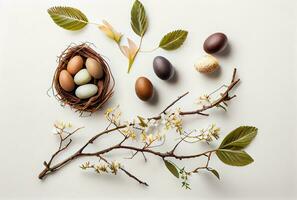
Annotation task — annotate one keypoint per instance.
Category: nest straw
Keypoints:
(106, 85)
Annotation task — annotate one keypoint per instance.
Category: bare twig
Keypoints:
(170, 105)
(125, 171)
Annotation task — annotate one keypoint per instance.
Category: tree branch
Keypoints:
(49, 168)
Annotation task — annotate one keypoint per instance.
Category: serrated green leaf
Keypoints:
(68, 18)
(172, 168)
(215, 172)
(142, 122)
(239, 138)
(138, 18)
(173, 40)
(234, 157)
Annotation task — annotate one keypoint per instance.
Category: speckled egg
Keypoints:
(66, 81)
(75, 64)
(207, 64)
(144, 88)
(94, 68)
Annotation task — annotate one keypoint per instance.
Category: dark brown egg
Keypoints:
(144, 88)
(162, 68)
(215, 43)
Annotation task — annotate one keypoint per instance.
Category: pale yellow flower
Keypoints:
(109, 31)
(101, 168)
(214, 131)
(130, 52)
(114, 167)
(150, 138)
(204, 100)
(172, 120)
(209, 134)
(143, 136)
(129, 131)
(62, 125)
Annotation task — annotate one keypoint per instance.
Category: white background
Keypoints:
(262, 37)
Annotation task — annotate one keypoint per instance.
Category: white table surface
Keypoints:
(262, 37)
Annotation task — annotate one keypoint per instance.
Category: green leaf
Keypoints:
(233, 157)
(68, 18)
(142, 122)
(138, 18)
(215, 172)
(223, 107)
(172, 168)
(239, 138)
(173, 40)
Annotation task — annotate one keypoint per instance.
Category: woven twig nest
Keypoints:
(105, 84)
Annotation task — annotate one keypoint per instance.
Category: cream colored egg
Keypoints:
(207, 64)
(94, 68)
(82, 77)
(75, 64)
(66, 81)
(86, 91)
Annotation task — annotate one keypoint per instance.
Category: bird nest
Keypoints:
(105, 85)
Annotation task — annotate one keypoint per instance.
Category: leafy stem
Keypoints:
(149, 51)
(73, 19)
(137, 51)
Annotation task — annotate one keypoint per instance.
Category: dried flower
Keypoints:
(110, 32)
(130, 52)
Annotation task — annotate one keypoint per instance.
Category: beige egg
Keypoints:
(94, 68)
(75, 64)
(66, 81)
(207, 64)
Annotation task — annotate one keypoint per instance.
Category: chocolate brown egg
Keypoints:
(215, 43)
(144, 88)
(75, 64)
(66, 81)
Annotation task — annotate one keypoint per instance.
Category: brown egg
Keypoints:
(75, 64)
(144, 88)
(66, 81)
(215, 43)
(94, 68)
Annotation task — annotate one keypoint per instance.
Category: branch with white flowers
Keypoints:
(151, 132)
